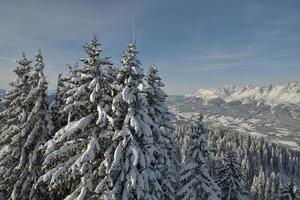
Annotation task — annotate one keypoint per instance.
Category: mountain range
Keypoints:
(271, 111)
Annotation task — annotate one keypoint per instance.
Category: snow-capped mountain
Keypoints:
(271, 111)
(270, 95)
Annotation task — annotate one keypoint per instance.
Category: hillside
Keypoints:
(269, 95)
(270, 111)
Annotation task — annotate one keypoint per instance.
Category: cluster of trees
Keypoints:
(257, 165)
(107, 135)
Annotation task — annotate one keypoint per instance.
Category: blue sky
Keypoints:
(196, 43)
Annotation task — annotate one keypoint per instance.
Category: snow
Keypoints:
(271, 95)
(127, 97)
(289, 143)
(72, 127)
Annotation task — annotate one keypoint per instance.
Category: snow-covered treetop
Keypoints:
(93, 50)
(24, 65)
(153, 77)
(131, 69)
(38, 75)
(157, 99)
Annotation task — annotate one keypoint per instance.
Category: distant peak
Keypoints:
(272, 94)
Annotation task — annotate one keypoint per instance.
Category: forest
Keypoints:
(108, 134)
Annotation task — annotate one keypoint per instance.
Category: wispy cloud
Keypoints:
(60, 28)
(195, 41)
(221, 55)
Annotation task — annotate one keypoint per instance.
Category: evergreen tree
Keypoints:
(268, 190)
(196, 183)
(131, 173)
(110, 76)
(288, 193)
(13, 118)
(255, 189)
(72, 155)
(229, 178)
(56, 107)
(163, 132)
(262, 183)
(32, 136)
(291, 188)
(276, 186)
(245, 171)
(258, 186)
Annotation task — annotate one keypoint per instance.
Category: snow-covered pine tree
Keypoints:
(258, 186)
(71, 81)
(268, 190)
(163, 133)
(13, 117)
(32, 136)
(229, 178)
(110, 76)
(254, 191)
(195, 181)
(291, 188)
(72, 155)
(288, 193)
(277, 184)
(131, 173)
(56, 107)
(245, 168)
(262, 183)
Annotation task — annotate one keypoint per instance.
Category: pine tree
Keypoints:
(163, 132)
(245, 168)
(262, 183)
(72, 155)
(196, 183)
(229, 178)
(255, 189)
(291, 188)
(13, 117)
(56, 107)
(258, 186)
(268, 190)
(32, 136)
(288, 193)
(276, 186)
(131, 173)
(110, 76)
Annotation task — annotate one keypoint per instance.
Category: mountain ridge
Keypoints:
(273, 94)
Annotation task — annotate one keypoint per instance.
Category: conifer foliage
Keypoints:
(56, 107)
(131, 174)
(196, 183)
(163, 133)
(109, 135)
(33, 132)
(229, 178)
(71, 154)
(14, 118)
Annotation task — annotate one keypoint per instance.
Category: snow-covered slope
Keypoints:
(270, 95)
(272, 111)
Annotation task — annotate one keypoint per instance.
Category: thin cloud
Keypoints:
(223, 56)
